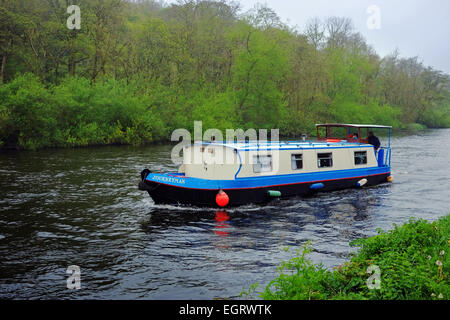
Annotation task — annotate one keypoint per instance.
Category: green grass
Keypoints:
(413, 261)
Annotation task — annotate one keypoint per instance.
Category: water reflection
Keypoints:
(222, 224)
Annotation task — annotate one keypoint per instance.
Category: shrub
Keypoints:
(413, 260)
(27, 114)
(77, 113)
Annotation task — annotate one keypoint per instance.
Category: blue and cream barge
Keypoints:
(225, 174)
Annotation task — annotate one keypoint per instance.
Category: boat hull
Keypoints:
(180, 190)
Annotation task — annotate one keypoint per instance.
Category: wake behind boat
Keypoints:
(226, 174)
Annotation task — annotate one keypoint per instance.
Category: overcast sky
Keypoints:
(416, 27)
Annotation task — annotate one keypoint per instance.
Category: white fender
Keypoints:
(361, 182)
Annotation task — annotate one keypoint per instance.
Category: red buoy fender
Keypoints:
(222, 198)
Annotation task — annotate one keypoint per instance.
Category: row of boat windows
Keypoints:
(324, 160)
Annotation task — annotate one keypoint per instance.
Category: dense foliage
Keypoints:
(413, 262)
(136, 70)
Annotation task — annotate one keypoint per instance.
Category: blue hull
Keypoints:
(177, 189)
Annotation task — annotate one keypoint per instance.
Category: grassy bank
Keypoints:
(413, 261)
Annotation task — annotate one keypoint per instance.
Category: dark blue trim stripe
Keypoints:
(240, 163)
(262, 147)
(307, 148)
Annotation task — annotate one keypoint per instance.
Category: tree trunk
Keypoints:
(71, 63)
(94, 71)
(2, 68)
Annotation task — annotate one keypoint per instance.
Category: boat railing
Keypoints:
(384, 156)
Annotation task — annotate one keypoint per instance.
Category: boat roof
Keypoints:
(282, 145)
(353, 125)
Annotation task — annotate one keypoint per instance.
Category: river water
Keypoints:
(82, 207)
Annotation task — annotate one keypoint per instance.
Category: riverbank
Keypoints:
(78, 113)
(161, 142)
(408, 262)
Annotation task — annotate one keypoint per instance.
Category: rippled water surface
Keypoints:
(82, 207)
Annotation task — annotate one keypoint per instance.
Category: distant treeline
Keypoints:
(137, 70)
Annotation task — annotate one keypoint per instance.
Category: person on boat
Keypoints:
(355, 136)
(373, 140)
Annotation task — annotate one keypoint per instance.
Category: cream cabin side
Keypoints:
(215, 162)
(306, 160)
(219, 162)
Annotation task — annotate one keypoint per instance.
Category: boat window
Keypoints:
(360, 157)
(296, 161)
(262, 163)
(324, 160)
